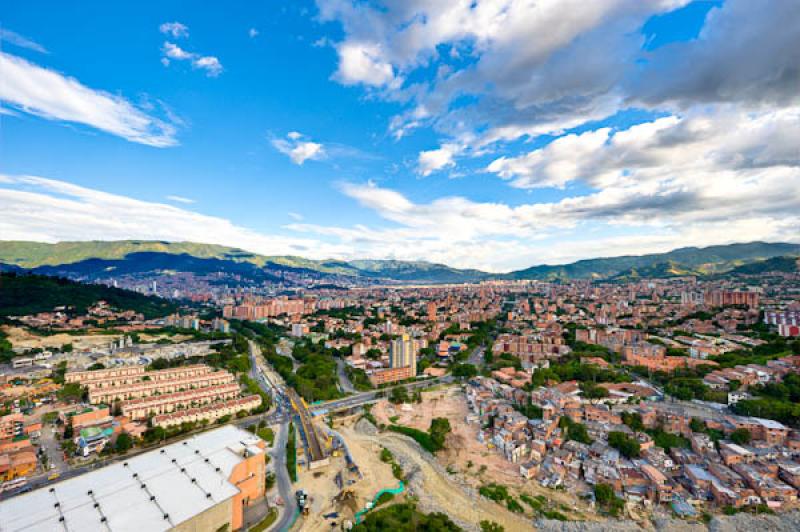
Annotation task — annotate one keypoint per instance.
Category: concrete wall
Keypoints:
(209, 521)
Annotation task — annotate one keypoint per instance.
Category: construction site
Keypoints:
(355, 479)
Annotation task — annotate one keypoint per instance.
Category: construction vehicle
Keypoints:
(302, 501)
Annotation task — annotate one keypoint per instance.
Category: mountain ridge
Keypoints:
(92, 256)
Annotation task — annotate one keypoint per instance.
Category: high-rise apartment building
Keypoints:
(403, 353)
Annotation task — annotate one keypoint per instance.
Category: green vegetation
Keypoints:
(607, 499)
(778, 401)
(491, 526)
(232, 357)
(667, 440)
(740, 436)
(514, 506)
(358, 378)
(591, 391)
(384, 498)
(405, 518)
(399, 395)
(431, 441)
(529, 410)
(704, 260)
(464, 371)
(574, 431)
(6, 351)
(266, 434)
(633, 420)
(124, 442)
(316, 378)
(291, 453)
(626, 445)
(439, 429)
(388, 457)
(499, 494)
(495, 492)
(573, 369)
(265, 523)
(71, 392)
(31, 294)
(254, 389)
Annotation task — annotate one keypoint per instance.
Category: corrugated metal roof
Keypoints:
(179, 481)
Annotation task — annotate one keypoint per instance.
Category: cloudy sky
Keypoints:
(493, 134)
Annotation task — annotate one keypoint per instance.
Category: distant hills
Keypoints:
(684, 261)
(98, 259)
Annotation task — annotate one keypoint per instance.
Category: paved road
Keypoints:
(271, 383)
(282, 480)
(344, 380)
(372, 397)
(476, 357)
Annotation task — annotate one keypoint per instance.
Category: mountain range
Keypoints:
(94, 259)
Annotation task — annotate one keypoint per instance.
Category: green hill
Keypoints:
(65, 258)
(703, 261)
(30, 294)
(96, 258)
(661, 270)
(775, 264)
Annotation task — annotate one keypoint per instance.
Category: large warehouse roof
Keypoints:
(154, 491)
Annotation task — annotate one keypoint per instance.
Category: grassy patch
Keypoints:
(291, 453)
(266, 522)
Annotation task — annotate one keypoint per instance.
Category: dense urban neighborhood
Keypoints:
(566, 399)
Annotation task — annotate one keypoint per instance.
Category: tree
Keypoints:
(439, 429)
(633, 420)
(399, 395)
(491, 526)
(697, 425)
(465, 371)
(740, 436)
(603, 493)
(123, 443)
(605, 497)
(628, 447)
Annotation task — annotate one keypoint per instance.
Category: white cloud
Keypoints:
(253, 33)
(176, 29)
(296, 216)
(210, 64)
(180, 199)
(537, 68)
(46, 93)
(434, 160)
(18, 40)
(712, 176)
(173, 51)
(299, 150)
(452, 230)
(361, 63)
(47, 210)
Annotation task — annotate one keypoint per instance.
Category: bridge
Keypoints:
(307, 426)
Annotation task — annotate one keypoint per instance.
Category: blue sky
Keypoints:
(495, 136)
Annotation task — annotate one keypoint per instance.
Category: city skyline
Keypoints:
(493, 136)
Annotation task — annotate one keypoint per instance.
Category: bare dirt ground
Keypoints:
(436, 490)
(322, 487)
(20, 337)
(473, 462)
